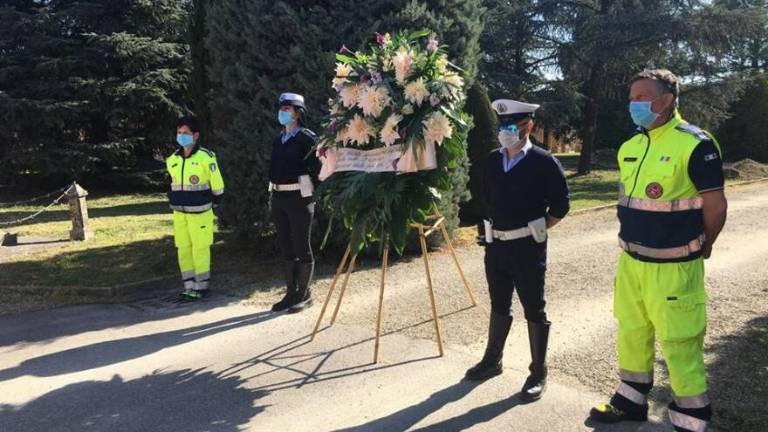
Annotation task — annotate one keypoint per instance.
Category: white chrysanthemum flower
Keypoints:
(338, 83)
(416, 92)
(453, 79)
(402, 63)
(389, 133)
(437, 128)
(349, 95)
(343, 70)
(441, 64)
(359, 131)
(373, 99)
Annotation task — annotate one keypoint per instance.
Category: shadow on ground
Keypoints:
(116, 351)
(185, 400)
(739, 378)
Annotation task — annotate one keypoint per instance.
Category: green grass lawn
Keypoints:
(133, 239)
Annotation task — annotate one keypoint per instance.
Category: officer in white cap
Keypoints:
(291, 169)
(525, 192)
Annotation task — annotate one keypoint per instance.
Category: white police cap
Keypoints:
(293, 99)
(506, 107)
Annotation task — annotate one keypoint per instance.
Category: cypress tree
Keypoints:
(259, 49)
(480, 142)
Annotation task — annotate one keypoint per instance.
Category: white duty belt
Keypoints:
(284, 187)
(512, 234)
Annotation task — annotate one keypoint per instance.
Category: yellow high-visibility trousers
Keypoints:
(193, 236)
(666, 301)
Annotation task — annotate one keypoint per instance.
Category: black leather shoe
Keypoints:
(607, 413)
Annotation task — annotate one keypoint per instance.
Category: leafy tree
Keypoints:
(743, 135)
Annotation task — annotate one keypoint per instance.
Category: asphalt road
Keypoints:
(228, 365)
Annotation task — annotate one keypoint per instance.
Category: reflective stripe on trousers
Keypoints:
(630, 393)
(687, 422)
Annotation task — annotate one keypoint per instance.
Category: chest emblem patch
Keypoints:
(654, 190)
(194, 179)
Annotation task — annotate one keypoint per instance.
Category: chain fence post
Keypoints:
(78, 211)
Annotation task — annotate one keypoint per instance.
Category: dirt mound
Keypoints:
(746, 169)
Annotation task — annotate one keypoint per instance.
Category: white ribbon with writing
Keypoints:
(385, 159)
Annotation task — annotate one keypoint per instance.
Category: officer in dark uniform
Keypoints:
(525, 191)
(291, 169)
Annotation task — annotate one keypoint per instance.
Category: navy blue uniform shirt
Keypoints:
(533, 188)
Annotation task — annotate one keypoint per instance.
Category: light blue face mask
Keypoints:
(641, 113)
(285, 118)
(185, 140)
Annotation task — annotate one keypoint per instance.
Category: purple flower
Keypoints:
(321, 151)
(402, 133)
(332, 126)
(376, 77)
(434, 100)
(344, 49)
(394, 163)
(432, 45)
(380, 39)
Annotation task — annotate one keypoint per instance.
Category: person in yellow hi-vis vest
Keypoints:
(196, 189)
(671, 209)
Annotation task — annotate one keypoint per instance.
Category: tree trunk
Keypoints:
(590, 121)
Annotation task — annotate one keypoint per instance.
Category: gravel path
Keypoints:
(582, 260)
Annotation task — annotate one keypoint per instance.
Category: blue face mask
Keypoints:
(185, 140)
(641, 113)
(285, 118)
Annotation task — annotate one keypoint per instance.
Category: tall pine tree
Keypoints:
(88, 88)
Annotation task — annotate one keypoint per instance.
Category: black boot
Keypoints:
(538, 336)
(490, 365)
(290, 287)
(303, 298)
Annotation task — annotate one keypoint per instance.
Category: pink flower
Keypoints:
(380, 39)
(321, 151)
(344, 49)
(432, 45)
(434, 100)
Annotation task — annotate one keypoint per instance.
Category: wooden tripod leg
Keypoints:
(458, 266)
(350, 269)
(424, 253)
(339, 270)
(381, 302)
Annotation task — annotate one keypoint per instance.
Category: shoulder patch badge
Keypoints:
(711, 157)
(654, 190)
(212, 167)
